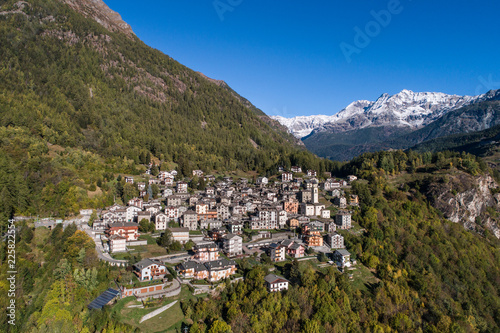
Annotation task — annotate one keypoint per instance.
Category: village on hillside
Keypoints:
(201, 234)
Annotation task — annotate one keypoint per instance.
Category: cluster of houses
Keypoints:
(292, 248)
(205, 264)
(222, 211)
(259, 207)
(212, 271)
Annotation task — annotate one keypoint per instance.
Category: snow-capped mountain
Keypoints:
(405, 109)
(303, 125)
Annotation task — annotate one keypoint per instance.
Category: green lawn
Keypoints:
(281, 263)
(168, 321)
(333, 209)
(250, 261)
(147, 283)
(355, 230)
(324, 201)
(200, 282)
(121, 256)
(118, 307)
(40, 236)
(146, 251)
(361, 276)
(151, 240)
(158, 323)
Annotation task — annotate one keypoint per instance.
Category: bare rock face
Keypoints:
(101, 13)
(471, 201)
(220, 83)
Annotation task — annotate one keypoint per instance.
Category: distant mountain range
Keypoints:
(393, 122)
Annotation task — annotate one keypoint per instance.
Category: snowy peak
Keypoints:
(404, 109)
(353, 109)
(408, 108)
(303, 125)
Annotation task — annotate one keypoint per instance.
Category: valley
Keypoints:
(394, 122)
(140, 195)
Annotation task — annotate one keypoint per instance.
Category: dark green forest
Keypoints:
(58, 275)
(75, 84)
(434, 276)
(482, 143)
(431, 275)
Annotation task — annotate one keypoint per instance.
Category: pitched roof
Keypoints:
(230, 236)
(272, 278)
(316, 223)
(295, 246)
(210, 245)
(113, 237)
(274, 246)
(219, 264)
(343, 252)
(178, 229)
(147, 262)
(123, 224)
(192, 265)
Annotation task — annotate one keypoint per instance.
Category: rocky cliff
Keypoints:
(100, 12)
(473, 201)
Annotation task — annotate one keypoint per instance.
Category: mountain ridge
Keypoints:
(394, 122)
(69, 79)
(404, 109)
(102, 14)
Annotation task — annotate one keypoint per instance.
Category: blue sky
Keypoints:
(294, 58)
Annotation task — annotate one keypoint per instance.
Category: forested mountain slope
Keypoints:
(427, 274)
(67, 81)
(432, 275)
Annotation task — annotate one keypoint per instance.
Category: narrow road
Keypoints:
(101, 254)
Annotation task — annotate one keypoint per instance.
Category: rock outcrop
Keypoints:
(101, 13)
(470, 200)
